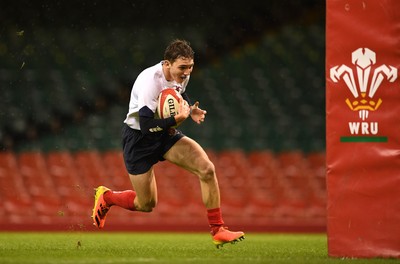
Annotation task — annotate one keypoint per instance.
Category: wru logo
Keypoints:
(363, 59)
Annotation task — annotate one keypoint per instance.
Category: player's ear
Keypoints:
(167, 63)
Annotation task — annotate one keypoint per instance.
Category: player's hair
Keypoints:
(178, 48)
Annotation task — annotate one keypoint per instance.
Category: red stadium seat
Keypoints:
(91, 168)
(62, 169)
(35, 174)
(20, 211)
(115, 169)
(76, 198)
(233, 175)
(265, 178)
(11, 182)
(316, 161)
(295, 173)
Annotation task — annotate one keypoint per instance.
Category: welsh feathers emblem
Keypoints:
(363, 93)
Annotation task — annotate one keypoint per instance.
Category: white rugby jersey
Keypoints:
(148, 85)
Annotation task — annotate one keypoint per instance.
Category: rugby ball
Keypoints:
(168, 103)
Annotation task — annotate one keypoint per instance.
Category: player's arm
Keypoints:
(185, 97)
(149, 125)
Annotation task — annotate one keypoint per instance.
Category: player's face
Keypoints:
(180, 69)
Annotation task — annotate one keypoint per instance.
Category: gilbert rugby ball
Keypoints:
(168, 103)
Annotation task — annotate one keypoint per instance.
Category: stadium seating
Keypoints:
(14, 194)
(259, 189)
(61, 116)
(275, 82)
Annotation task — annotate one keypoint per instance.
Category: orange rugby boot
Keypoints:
(100, 208)
(224, 236)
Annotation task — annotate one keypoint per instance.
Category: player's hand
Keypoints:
(184, 112)
(198, 115)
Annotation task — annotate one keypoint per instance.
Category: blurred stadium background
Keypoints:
(66, 70)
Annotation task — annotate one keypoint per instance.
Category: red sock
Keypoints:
(215, 219)
(122, 199)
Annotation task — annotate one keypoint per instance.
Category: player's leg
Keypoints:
(146, 190)
(139, 165)
(189, 155)
(144, 198)
(105, 198)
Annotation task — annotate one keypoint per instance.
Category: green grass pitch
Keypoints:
(130, 247)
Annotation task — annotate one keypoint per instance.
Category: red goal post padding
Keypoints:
(363, 128)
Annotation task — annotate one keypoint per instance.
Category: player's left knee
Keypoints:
(207, 171)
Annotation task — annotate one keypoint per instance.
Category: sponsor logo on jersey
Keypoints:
(155, 129)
